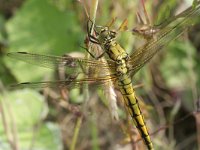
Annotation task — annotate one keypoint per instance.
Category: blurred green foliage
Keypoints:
(40, 27)
(23, 111)
(58, 27)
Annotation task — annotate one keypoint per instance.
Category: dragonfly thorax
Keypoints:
(116, 52)
(106, 36)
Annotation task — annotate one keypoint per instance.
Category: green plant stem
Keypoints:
(94, 133)
(76, 133)
(93, 10)
(171, 120)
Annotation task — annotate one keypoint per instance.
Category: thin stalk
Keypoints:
(93, 10)
(10, 131)
(171, 120)
(76, 133)
(94, 133)
(5, 124)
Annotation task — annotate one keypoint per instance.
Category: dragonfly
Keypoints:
(119, 66)
(146, 30)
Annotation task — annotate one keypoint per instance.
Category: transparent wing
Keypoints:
(72, 65)
(147, 31)
(167, 33)
(183, 14)
(69, 84)
(81, 71)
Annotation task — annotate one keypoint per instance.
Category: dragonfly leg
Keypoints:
(89, 32)
(92, 55)
(93, 39)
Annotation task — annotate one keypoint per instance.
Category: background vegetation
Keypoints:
(56, 119)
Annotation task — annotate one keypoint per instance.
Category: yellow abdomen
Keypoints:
(132, 105)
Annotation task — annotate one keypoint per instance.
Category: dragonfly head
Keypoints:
(105, 35)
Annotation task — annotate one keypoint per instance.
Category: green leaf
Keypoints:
(6, 76)
(194, 3)
(2, 23)
(27, 108)
(48, 138)
(164, 11)
(176, 64)
(26, 105)
(40, 27)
